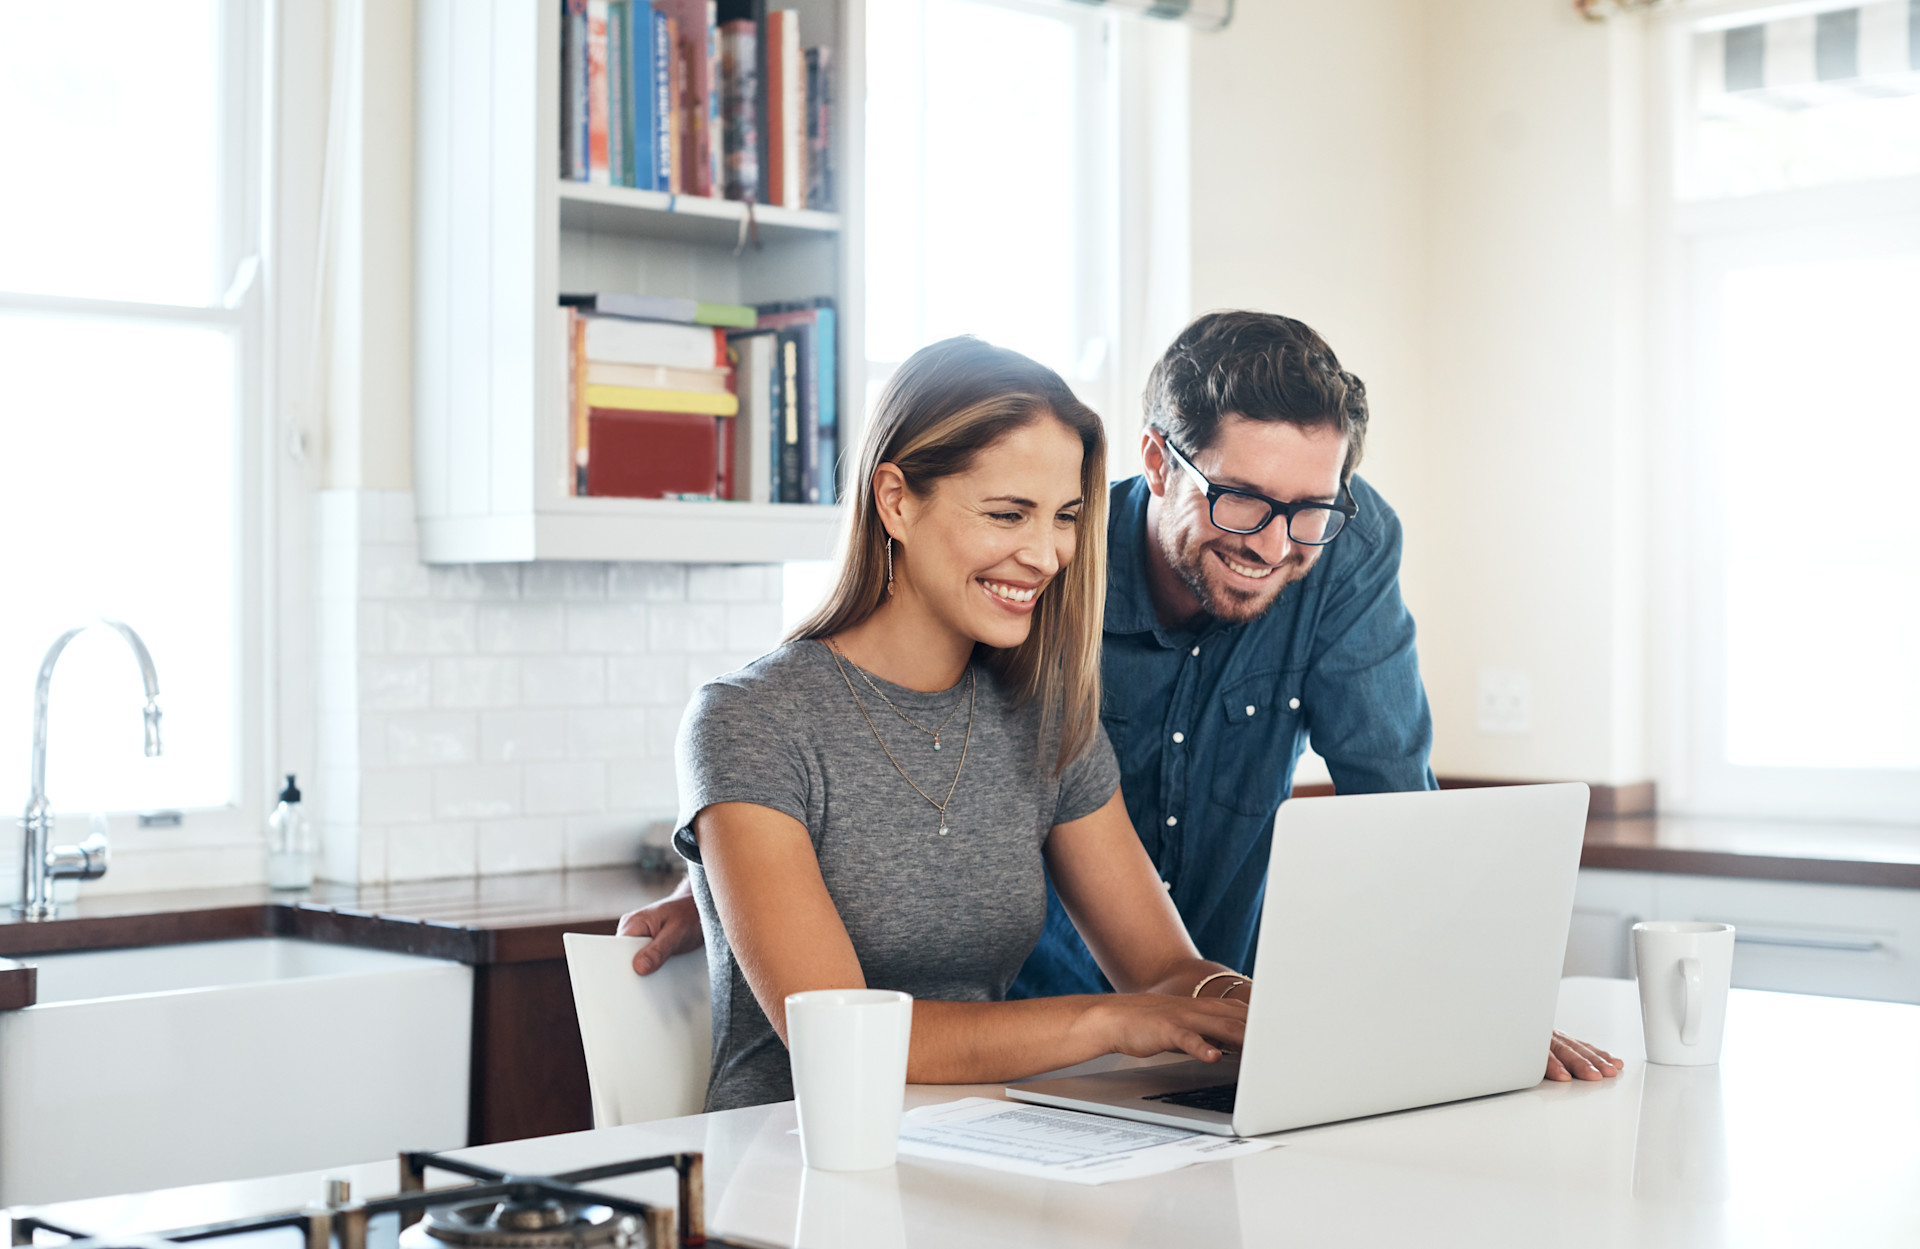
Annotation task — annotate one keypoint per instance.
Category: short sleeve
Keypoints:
(1089, 781)
(732, 747)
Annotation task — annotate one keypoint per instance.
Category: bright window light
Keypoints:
(1822, 433)
(110, 149)
(980, 142)
(121, 505)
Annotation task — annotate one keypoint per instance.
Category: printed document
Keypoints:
(1058, 1144)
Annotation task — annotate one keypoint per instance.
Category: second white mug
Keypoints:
(849, 1053)
(1684, 970)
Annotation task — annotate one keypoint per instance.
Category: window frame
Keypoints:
(1704, 239)
(241, 309)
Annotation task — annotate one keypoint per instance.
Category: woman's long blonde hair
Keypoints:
(943, 407)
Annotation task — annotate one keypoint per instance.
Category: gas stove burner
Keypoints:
(539, 1223)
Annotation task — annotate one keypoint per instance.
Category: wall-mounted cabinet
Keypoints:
(499, 235)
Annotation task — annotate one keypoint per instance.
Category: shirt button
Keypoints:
(1167, 885)
(1293, 704)
(1172, 820)
(1249, 708)
(1178, 738)
(1195, 652)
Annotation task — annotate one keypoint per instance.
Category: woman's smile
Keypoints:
(1012, 596)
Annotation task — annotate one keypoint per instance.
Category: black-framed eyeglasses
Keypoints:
(1244, 511)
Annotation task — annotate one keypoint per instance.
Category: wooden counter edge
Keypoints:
(19, 984)
(1868, 872)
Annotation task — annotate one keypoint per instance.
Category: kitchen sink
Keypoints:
(185, 1064)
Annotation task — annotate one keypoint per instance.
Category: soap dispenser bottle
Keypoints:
(289, 842)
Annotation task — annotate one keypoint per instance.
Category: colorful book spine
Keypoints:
(739, 116)
(820, 129)
(786, 124)
(715, 169)
(640, 73)
(676, 110)
(638, 398)
(574, 120)
(598, 171)
(577, 398)
(652, 455)
(662, 102)
(793, 466)
(618, 88)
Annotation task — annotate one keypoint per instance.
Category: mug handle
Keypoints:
(1690, 1025)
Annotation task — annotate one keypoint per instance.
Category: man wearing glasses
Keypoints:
(1253, 602)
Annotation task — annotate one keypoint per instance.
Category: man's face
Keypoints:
(1235, 577)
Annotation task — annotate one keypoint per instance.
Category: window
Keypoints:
(1798, 534)
(992, 185)
(128, 346)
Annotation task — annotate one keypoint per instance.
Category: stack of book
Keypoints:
(696, 97)
(673, 399)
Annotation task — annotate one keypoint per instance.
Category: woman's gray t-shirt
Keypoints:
(943, 917)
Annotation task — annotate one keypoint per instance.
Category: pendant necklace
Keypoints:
(933, 733)
(973, 683)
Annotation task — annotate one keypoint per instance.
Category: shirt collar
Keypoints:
(1129, 596)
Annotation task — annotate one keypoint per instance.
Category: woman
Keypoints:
(880, 801)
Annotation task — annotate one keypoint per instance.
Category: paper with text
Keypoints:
(1058, 1144)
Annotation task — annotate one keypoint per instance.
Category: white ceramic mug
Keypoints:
(1684, 970)
(848, 1048)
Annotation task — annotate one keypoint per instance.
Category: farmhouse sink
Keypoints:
(185, 1064)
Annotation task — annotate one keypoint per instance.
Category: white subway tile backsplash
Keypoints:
(571, 681)
(476, 682)
(476, 791)
(431, 852)
(395, 684)
(645, 784)
(727, 583)
(647, 583)
(687, 628)
(569, 579)
(506, 717)
(430, 628)
(607, 733)
(522, 628)
(528, 844)
(564, 788)
(396, 795)
(523, 736)
(425, 738)
(490, 582)
(645, 679)
(609, 628)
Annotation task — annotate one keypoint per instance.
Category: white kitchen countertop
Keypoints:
(1807, 1133)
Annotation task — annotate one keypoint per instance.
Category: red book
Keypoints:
(648, 455)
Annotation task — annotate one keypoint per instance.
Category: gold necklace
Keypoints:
(933, 733)
(973, 685)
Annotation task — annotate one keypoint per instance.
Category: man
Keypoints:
(1253, 602)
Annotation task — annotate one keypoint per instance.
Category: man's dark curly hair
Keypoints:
(1262, 366)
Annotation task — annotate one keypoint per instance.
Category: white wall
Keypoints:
(1450, 193)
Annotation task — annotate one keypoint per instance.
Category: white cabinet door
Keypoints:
(1606, 906)
(1792, 936)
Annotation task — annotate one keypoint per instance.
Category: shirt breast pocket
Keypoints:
(1259, 742)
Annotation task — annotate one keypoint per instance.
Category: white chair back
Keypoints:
(649, 1039)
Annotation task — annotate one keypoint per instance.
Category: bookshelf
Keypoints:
(499, 234)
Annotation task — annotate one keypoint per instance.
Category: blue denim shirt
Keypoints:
(1332, 661)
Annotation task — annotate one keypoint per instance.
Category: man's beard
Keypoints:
(1230, 603)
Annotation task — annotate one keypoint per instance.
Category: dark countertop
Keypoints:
(1818, 853)
(479, 920)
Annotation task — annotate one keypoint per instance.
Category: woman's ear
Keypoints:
(890, 499)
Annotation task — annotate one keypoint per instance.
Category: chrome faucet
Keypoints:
(43, 864)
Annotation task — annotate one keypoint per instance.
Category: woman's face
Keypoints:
(984, 545)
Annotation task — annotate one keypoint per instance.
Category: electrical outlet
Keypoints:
(1504, 706)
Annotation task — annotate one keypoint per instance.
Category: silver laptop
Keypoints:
(1410, 953)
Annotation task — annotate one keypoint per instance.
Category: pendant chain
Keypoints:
(933, 733)
(973, 685)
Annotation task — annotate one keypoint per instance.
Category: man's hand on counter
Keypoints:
(674, 924)
(1567, 1059)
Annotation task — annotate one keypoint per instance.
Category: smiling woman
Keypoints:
(880, 802)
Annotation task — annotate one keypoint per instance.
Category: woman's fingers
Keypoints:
(674, 925)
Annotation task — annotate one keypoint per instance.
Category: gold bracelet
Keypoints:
(1221, 975)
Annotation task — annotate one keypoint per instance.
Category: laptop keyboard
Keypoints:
(1216, 1097)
